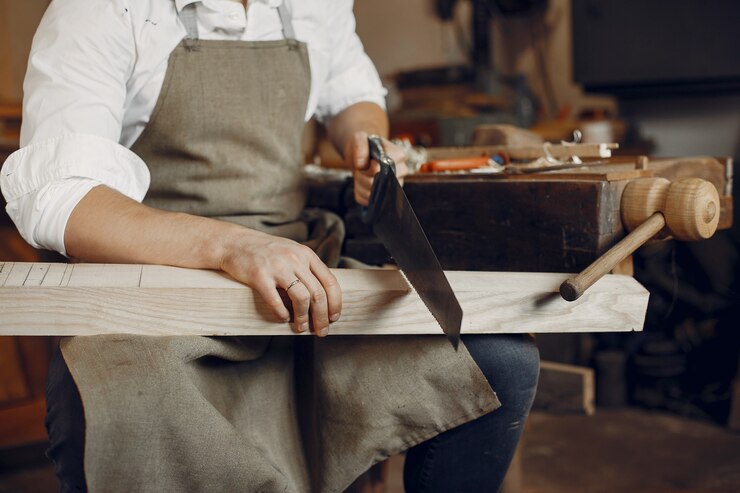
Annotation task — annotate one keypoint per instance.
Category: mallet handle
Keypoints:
(573, 288)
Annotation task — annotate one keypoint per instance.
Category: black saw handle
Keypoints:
(380, 181)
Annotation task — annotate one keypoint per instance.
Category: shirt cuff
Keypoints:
(44, 181)
(41, 217)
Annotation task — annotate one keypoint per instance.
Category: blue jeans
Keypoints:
(470, 458)
(474, 457)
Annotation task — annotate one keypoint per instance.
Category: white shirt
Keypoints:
(94, 75)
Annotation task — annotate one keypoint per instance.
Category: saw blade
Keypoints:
(396, 225)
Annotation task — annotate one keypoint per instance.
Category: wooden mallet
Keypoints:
(686, 209)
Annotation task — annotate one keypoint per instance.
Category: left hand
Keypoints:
(357, 158)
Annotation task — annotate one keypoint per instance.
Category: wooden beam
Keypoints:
(86, 299)
(565, 388)
(558, 151)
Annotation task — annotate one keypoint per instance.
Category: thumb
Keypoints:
(360, 151)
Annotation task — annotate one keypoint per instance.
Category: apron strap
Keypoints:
(288, 31)
(189, 18)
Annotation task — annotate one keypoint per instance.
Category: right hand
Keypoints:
(268, 263)
(364, 169)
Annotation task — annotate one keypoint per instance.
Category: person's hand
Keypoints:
(357, 158)
(268, 263)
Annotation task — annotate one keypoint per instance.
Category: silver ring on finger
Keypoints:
(292, 284)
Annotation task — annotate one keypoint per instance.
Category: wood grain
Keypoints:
(84, 299)
(608, 172)
(558, 151)
(517, 225)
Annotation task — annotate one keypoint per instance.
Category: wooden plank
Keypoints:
(725, 212)
(5, 268)
(18, 273)
(704, 167)
(558, 151)
(586, 174)
(565, 388)
(55, 274)
(172, 301)
(36, 274)
(589, 171)
(611, 172)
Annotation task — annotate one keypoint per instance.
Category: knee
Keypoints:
(511, 363)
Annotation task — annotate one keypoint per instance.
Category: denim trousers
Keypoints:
(470, 458)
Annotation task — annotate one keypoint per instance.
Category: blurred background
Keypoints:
(661, 79)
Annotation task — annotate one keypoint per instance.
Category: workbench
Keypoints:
(559, 221)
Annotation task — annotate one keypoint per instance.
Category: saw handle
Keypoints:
(380, 180)
(687, 209)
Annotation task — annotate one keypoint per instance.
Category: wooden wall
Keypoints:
(18, 21)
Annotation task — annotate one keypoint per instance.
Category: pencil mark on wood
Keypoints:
(4, 272)
(46, 273)
(68, 274)
(18, 274)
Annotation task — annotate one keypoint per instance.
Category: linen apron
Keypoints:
(288, 414)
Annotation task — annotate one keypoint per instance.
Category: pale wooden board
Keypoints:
(558, 151)
(610, 172)
(55, 274)
(17, 274)
(5, 268)
(158, 300)
(36, 275)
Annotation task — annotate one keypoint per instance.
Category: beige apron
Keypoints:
(288, 414)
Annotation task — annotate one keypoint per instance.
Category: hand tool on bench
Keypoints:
(455, 164)
(395, 224)
(687, 209)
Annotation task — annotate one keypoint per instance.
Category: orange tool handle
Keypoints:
(454, 164)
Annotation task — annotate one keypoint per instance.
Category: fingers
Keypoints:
(359, 152)
(286, 274)
(331, 287)
(266, 288)
(365, 169)
(364, 183)
(300, 298)
(316, 297)
(317, 303)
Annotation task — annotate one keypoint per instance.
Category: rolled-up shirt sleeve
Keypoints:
(74, 96)
(43, 182)
(352, 77)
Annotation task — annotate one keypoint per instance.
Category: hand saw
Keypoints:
(395, 224)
